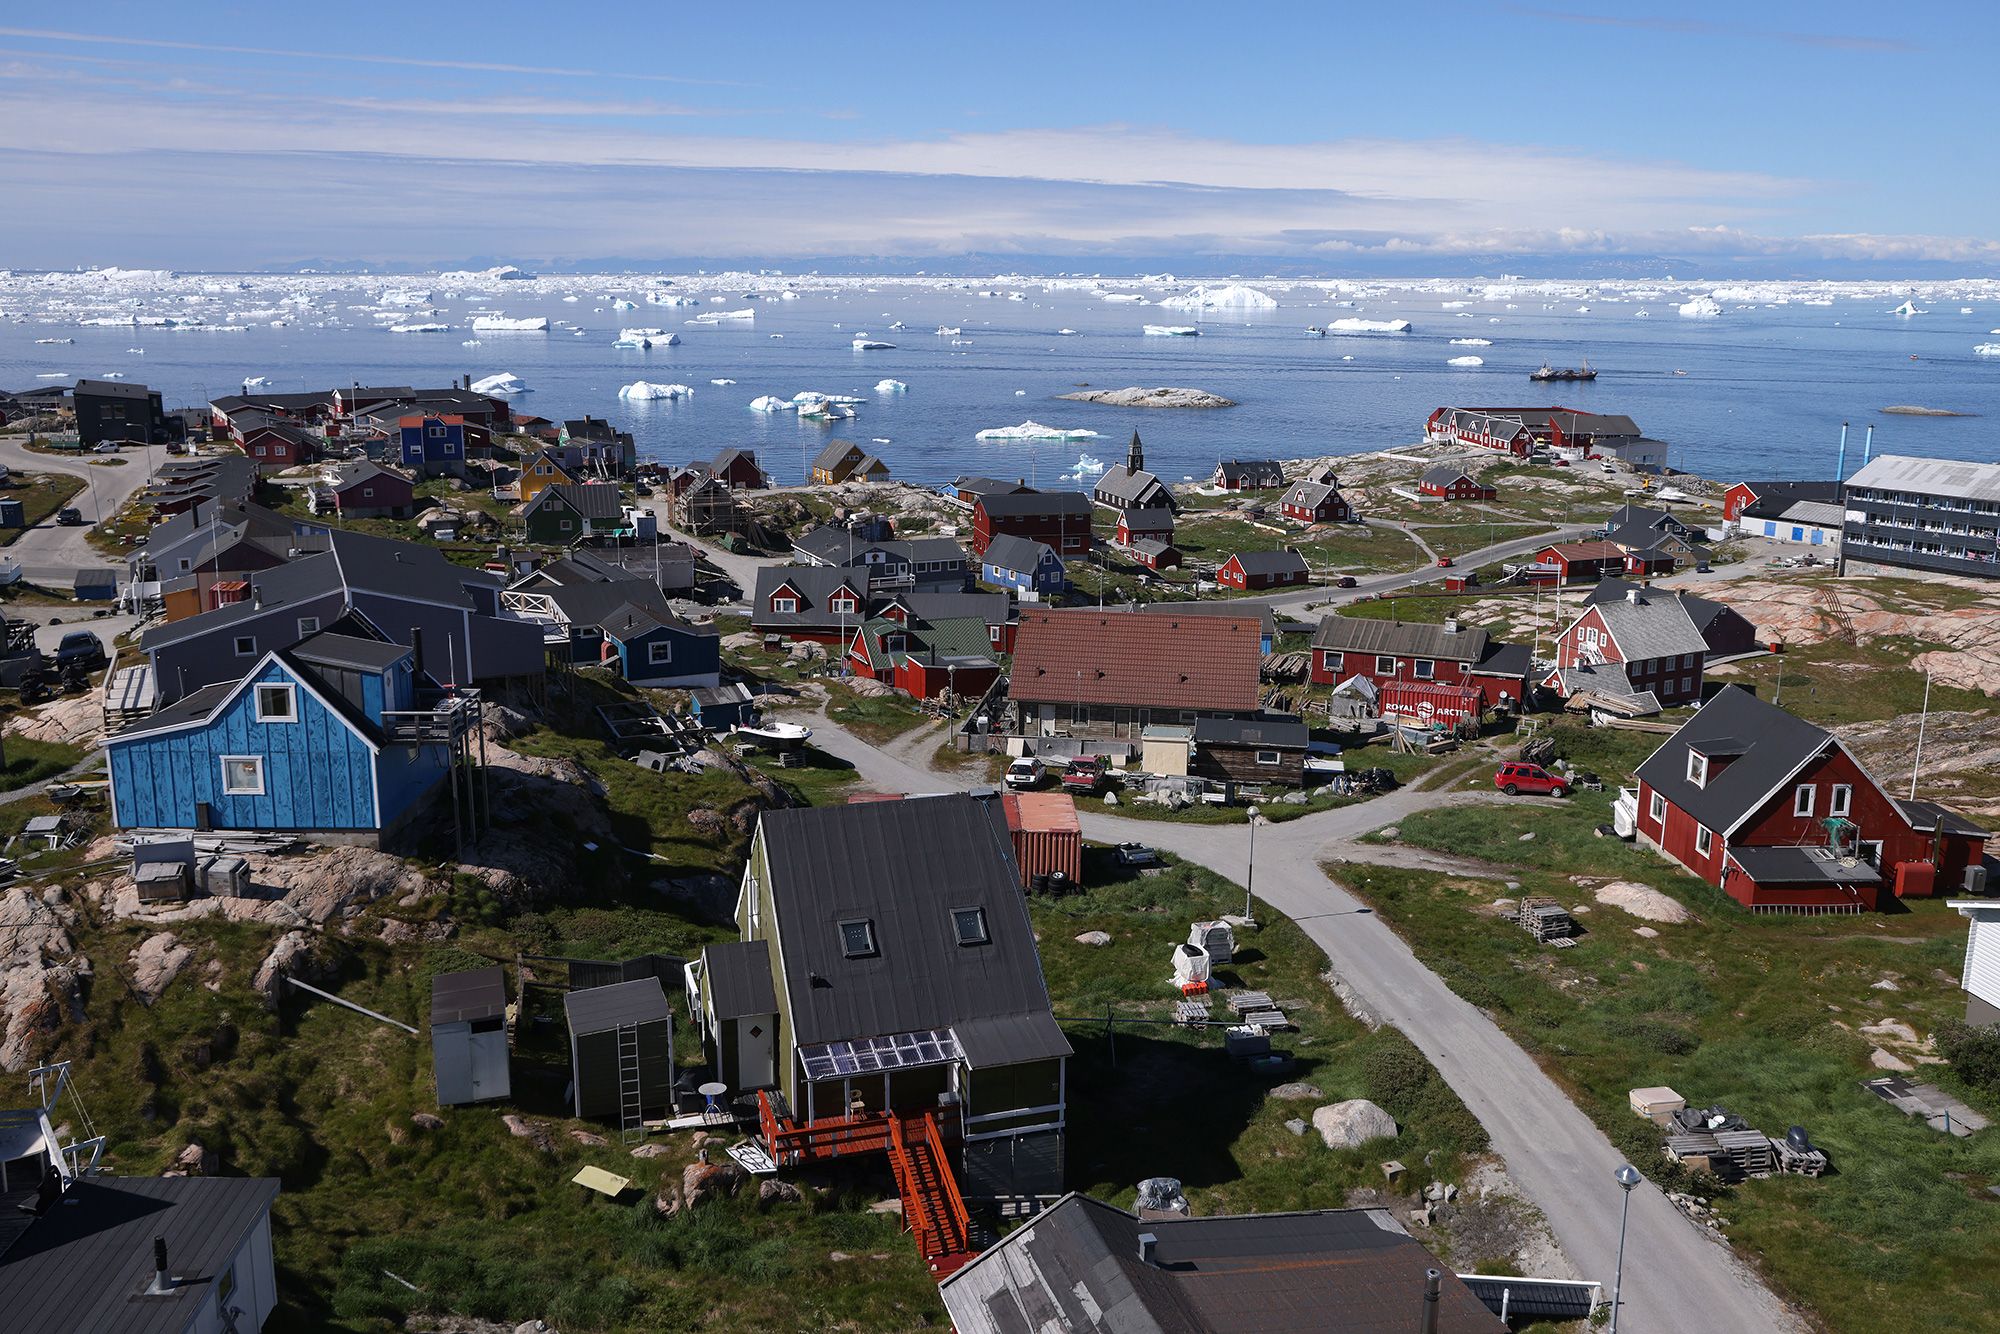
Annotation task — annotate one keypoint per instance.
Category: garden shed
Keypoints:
(621, 1050)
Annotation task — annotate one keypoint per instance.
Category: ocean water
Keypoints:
(1764, 393)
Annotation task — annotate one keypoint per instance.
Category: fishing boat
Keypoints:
(1547, 372)
(772, 736)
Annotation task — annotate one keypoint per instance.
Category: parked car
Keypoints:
(1515, 778)
(1087, 775)
(105, 447)
(1444, 562)
(80, 648)
(1345, 581)
(1136, 854)
(69, 516)
(1024, 774)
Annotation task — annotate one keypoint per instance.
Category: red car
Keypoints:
(1087, 775)
(1444, 562)
(1514, 779)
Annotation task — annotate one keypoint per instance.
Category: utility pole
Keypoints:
(1918, 762)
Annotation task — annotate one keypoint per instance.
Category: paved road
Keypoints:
(1512, 549)
(1678, 1279)
(106, 493)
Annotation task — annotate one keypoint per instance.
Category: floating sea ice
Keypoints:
(879, 440)
(112, 375)
(1965, 310)
(949, 331)
(252, 381)
(502, 324)
(1348, 357)
(1172, 331)
(503, 385)
(722, 382)
(1067, 333)
(1123, 296)
(1033, 430)
(72, 340)
(897, 325)
(53, 375)
(646, 390)
(569, 298)
(420, 328)
(718, 316)
(1466, 361)
(470, 342)
(1907, 309)
(1020, 393)
(890, 387)
(769, 403)
(1987, 350)
(1235, 296)
(1472, 342)
(1701, 308)
(1353, 325)
(622, 304)
(863, 343)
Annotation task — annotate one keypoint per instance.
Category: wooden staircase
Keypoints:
(932, 1208)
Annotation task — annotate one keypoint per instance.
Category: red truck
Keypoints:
(1087, 775)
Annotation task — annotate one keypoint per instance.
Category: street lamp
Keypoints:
(1628, 1180)
(1250, 871)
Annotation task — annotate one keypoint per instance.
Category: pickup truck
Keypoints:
(1087, 775)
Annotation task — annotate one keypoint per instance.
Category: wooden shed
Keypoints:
(469, 1036)
(621, 1050)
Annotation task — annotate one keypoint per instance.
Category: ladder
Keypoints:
(631, 1118)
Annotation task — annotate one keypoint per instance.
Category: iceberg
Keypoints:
(646, 391)
(622, 304)
(1123, 296)
(722, 382)
(420, 328)
(1086, 464)
(1701, 308)
(1234, 296)
(824, 409)
(1987, 350)
(470, 342)
(1472, 342)
(862, 343)
(53, 375)
(769, 403)
(1172, 331)
(503, 385)
(949, 331)
(1466, 361)
(645, 338)
(252, 381)
(1033, 430)
(502, 324)
(55, 340)
(1353, 325)
(891, 387)
(1907, 309)
(1066, 333)
(718, 316)
(112, 375)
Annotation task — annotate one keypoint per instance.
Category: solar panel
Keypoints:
(895, 1051)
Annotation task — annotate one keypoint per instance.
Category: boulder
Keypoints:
(1390, 832)
(1297, 1093)
(1111, 799)
(1297, 1127)
(589, 1139)
(704, 1181)
(293, 955)
(1096, 939)
(772, 1191)
(1347, 1125)
(1642, 901)
(427, 1121)
(156, 963)
(651, 1151)
(195, 1160)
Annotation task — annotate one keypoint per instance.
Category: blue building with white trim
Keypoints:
(1023, 564)
(304, 742)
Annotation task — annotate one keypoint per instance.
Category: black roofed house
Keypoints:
(1024, 565)
(1781, 816)
(1314, 502)
(824, 604)
(1649, 633)
(621, 1052)
(930, 563)
(275, 443)
(1448, 483)
(563, 515)
(968, 490)
(1264, 748)
(595, 446)
(1085, 1267)
(1128, 486)
(362, 491)
(592, 612)
(127, 413)
(845, 461)
(1263, 569)
(365, 398)
(1155, 554)
(1249, 474)
(911, 1017)
(1753, 505)
(1155, 524)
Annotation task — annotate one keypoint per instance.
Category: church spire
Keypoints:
(1135, 456)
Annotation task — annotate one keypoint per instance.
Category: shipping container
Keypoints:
(1047, 836)
(1428, 702)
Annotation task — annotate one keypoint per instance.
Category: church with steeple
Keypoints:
(1131, 487)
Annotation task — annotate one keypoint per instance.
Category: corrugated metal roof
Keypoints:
(1406, 639)
(641, 1001)
(1929, 477)
(739, 979)
(1073, 504)
(1041, 812)
(1285, 561)
(904, 866)
(80, 1269)
(1115, 658)
(477, 993)
(1655, 626)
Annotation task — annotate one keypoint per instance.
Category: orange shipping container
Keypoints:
(1047, 836)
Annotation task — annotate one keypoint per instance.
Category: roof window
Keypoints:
(857, 938)
(969, 925)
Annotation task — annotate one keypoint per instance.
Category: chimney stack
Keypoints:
(1632, 596)
(1147, 1241)
(1433, 1295)
(162, 1284)
(1451, 625)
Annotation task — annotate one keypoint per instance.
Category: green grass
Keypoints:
(1344, 548)
(41, 494)
(1835, 682)
(30, 761)
(874, 718)
(1756, 1013)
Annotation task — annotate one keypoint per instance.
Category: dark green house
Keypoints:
(564, 514)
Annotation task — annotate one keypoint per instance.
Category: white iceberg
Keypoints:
(252, 381)
(1234, 296)
(1987, 350)
(55, 340)
(1123, 296)
(1701, 308)
(891, 387)
(1472, 342)
(622, 304)
(1907, 309)
(470, 342)
(1066, 333)
(722, 382)
(769, 403)
(1466, 361)
(1172, 331)
(53, 375)
(420, 328)
(503, 385)
(1033, 430)
(645, 338)
(646, 391)
(949, 331)
(824, 409)
(718, 316)
(1354, 325)
(863, 343)
(504, 324)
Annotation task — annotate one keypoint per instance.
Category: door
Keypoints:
(756, 1048)
(1048, 720)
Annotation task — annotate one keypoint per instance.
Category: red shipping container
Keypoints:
(1047, 836)
(1429, 702)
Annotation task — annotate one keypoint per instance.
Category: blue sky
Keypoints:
(1325, 136)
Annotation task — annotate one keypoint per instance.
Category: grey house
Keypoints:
(469, 1056)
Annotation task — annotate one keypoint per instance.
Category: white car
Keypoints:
(1024, 773)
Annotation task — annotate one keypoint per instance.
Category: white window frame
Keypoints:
(291, 695)
(1380, 669)
(787, 605)
(308, 625)
(1268, 757)
(1424, 669)
(1704, 841)
(1656, 809)
(1840, 801)
(843, 606)
(1804, 797)
(659, 652)
(1697, 768)
(243, 652)
(229, 790)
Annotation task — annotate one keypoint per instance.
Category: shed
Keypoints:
(1163, 749)
(1047, 837)
(469, 1036)
(719, 708)
(13, 514)
(621, 1049)
(741, 1005)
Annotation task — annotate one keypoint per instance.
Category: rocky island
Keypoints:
(1134, 396)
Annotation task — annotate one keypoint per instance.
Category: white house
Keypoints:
(1981, 978)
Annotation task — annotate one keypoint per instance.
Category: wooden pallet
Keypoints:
(1241, 1002)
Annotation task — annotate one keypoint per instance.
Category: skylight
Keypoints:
(969, 924)
(857, 938)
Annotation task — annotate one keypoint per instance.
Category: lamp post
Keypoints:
(1250, 870)
(1628, 1180)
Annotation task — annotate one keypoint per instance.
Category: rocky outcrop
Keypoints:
(1347, 1125)
(294, 955)
(1967, 636)
(156, 963)
(1134, 396)
(73, 720)
(42, 977)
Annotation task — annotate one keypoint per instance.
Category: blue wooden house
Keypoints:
(431, 446)
(660, 649)
(1024, 565)
(306, 741)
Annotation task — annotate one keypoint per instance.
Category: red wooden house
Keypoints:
(1583, 562)
(1138, 525)
(1454, 484)
(1649, 634)
(923, 658)
(1447, 654)
(1771, 499)
(1781, 816)
(737, 469)
(275, 445)
(1059, 519)
(1315, 502)
(1155, 554)
(1263, 569)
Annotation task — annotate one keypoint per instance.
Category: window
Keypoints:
(1385, 666)
(1697, 769)
(1267, 757)
(841, 606)
(1703, 840)
(1657, 808)
(1687, 685)
(1424, 669)
(857, 938)
(784, 604)
(246, 646)
(260, 451)
(367, 493)
(184, 565)
(243, 775)
(657, 653)
(969, 925)
(1841, 800)
(993, 633)
(1802, 799)
(277, 704)
(567, 525)
(437, 432)
(308, 625)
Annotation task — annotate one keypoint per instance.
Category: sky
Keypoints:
(1786, 139)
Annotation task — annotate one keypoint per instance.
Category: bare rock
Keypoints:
(771, 1191)
(534, 1131)
(1347, 1125)
(1297, 1127)
(330, 882)
(1296, 1092)
(870, 689)
(708, 824)
(1884, 1060)
(1136, 396)
(293, 955)
(156, 963)
(589, 1139)
(427, 1121)
(41, 975)
(1095, 939)
(534, 1327)
(76, 720)
(667, 1202)
(1648, 932)
(1643, 901)
(703, 1181)
(651, 1151)
(195, 1160)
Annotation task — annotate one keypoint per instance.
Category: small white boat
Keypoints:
(772, 736)
(1670, 493)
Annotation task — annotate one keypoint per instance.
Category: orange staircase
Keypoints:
(932, 1208)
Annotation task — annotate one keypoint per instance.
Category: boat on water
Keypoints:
(1314, 331)
(1548, 373)
(772, 736)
